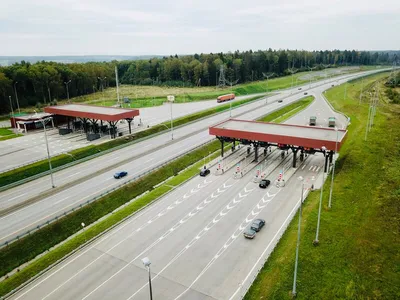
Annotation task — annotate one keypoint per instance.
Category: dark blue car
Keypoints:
(120, 174)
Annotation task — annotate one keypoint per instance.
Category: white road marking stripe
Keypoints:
(16, 197)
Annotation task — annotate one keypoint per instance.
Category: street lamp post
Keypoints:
(66, 85)
(333, 168)
(48, 151)
(311, 74)
(171, 100)
(266, 89)
(102, 89)
(298, 238)
(16, 96)
(316, 241)
(146, 261)
(12, 111)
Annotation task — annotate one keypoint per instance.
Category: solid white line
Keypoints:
(262, 254)
(16, 197)
(310, 168)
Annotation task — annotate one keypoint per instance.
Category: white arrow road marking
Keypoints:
(215, 220)
(219, 253)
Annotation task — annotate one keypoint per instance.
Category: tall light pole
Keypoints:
(230, 102)
(12, 110)
(333, 167)
(16, 96)
(316, 241)
(43, 121)
(66, 85)
(298, 238)
(266, 89)
(292, 70)
(146, 261)
(102, 89)
(362, 86)
(171, 101)
(311, 74)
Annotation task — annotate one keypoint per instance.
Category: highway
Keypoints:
(84, 181)
(193, 236)
(31, 147)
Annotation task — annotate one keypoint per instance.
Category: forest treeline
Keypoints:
(46, 82)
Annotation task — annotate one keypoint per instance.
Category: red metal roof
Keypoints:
(92, 112)
(303, 136)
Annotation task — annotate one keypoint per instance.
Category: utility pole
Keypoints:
(333, 168)
(362, 86)
(221, 80)
(12, 111)
(16, 96)
(316, 241)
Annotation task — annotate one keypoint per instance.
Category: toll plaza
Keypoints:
(305, 139)
(88, 116)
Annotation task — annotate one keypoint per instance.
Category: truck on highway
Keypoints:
(331, 122)
(226, 97)
(313, 120)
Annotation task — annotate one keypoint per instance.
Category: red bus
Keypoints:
(224, 98)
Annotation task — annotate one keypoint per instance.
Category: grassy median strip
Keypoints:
(38, 242)
(358, 255)
(63, 159)
(286, 112)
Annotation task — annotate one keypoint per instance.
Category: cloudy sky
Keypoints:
(133, 27)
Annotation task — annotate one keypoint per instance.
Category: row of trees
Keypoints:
(43, 82)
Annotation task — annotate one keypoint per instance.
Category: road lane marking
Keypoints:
(168, 232)
(16, 197)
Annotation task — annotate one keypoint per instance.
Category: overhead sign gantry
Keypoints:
(305, 139)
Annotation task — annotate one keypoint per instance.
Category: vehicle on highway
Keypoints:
(264, 183)
(299, 89)
(204, 172)
(313, 120)
(331, 122)
(120, 174)
(257, 225)
(280, 101)
(249, 233)
(305, 93)
(226, 97)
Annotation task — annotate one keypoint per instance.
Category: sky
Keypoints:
(159, 27)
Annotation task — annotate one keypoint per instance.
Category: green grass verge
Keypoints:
(358, 255)
(286, 112)
(7, 134)
(29, 247)
(63, 159)
(5, 131)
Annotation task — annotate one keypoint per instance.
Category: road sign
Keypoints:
(171, 98)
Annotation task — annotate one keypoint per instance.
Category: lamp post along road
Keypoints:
(316, 241)
(171, 100)
(12, 111)
(146, 261)
(298, 238)
(48, 151)
(333, 168)
(16, 96)
(66, 85)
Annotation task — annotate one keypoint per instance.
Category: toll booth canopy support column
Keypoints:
(326, 162)
(222, 146)
(294, 156)
(129, 120)
(255, 152)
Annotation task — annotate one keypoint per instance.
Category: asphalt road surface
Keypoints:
(193, 237)
(96, 176)
(31, 147)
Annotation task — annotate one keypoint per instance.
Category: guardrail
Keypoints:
(245, 286)
(23, 181)
(28, 232)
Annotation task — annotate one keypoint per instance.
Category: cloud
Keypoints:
(74, 27)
